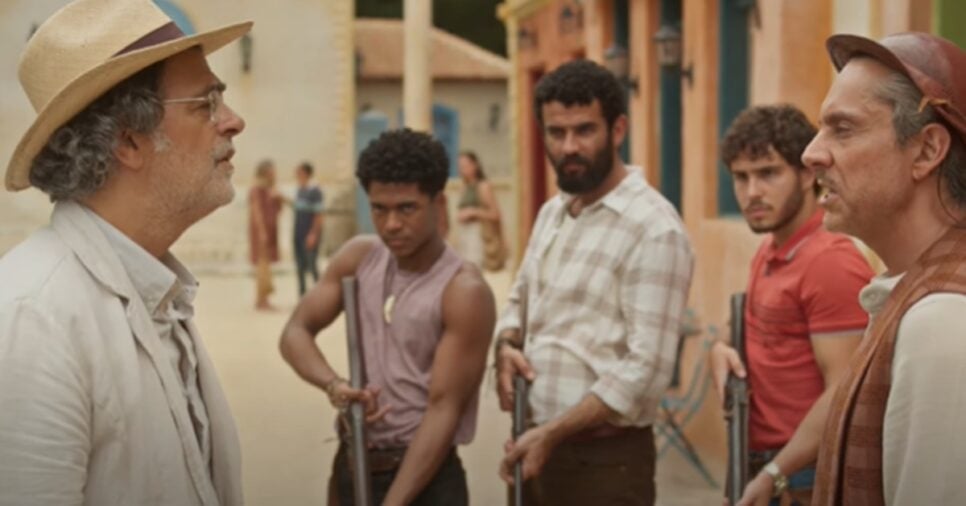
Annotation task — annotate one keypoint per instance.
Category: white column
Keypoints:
(417, 78)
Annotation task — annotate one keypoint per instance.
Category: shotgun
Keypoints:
(736, 408)
(520, 404)
(358, 447)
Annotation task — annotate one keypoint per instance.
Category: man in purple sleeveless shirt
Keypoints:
(426, 319)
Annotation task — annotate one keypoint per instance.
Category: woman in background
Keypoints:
(480, 235)
(264, 206)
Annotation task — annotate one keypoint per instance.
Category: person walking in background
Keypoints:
(264, 206)
(480, 233)
(308, 206)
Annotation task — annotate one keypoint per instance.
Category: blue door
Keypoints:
(368, 127)
(446, 129)
(175, 13)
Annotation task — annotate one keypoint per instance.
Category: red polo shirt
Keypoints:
(809, 287)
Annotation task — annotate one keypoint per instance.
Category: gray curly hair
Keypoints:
(79, 156)
(908, 120)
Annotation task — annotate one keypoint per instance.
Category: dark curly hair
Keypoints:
(405, 156)
(306, 168)
(782, 127)
(579, 82)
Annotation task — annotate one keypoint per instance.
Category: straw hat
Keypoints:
(83, 51)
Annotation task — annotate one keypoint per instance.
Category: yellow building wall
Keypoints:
(545, 44)
(297, 102)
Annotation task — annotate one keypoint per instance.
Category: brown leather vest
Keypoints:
(850, 455)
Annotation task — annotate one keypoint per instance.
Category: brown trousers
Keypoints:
(610, 471)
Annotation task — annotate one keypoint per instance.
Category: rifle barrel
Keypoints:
(520, 402)
(519, 427)
(736, 408)
(359, 451)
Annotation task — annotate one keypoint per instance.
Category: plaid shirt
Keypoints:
(607, 321)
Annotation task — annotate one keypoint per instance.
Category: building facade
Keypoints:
(470, 112)
(292, 82)
(692, 65)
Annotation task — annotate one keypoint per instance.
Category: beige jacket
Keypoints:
(91, 410)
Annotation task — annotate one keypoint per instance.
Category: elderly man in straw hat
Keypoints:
(107, 395)
(891, 154)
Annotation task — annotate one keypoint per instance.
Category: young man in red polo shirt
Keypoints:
(802, 317)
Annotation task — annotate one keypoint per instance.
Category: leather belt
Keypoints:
(606, 430)
(383, 460)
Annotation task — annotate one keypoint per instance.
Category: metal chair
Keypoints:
(676, 411)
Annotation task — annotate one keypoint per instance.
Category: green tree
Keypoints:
(473, 20)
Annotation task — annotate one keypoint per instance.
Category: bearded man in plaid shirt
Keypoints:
(606, 276)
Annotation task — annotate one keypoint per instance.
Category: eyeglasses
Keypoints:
(213, 100)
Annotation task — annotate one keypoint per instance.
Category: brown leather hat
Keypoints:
(935, 65)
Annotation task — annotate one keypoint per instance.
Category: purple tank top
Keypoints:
(399, 352)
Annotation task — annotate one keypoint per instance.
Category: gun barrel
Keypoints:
(736, 408)
(737, 416)
(520, 402)
(361, 479)
(519, 427)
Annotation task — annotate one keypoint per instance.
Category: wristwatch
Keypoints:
(779, 479)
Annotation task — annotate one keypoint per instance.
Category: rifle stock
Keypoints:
(358, 449)
(736, 408)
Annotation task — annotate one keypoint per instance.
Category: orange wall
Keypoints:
(788, 64)
(553, 48)
(644, 103)
(789, 60)
(906, 15)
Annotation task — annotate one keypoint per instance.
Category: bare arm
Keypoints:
(489, 211)
(317, 310)
(315, 232)
(317, 223)
(832, 355)
(469, 314)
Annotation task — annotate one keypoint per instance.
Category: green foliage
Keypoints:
(473, 20)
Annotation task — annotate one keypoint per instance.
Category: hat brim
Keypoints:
(89, 86)
(844, 47)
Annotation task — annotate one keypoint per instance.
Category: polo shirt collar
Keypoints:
(788, 250)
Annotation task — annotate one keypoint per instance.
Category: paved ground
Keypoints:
(286, 425)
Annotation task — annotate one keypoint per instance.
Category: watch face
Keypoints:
(780, 482)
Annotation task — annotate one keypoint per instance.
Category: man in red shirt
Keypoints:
(802, 317)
